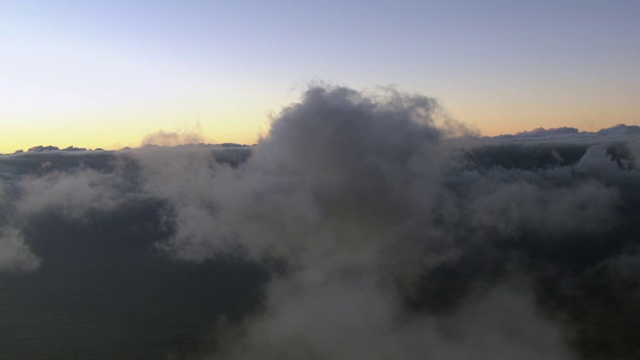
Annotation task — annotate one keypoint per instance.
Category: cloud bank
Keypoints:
(358, 227)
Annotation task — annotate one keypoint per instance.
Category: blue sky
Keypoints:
(107, 73)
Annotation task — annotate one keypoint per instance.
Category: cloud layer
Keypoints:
(372, 231)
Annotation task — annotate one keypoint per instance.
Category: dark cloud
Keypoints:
(41, 148)
(361, 226)
(620, 131)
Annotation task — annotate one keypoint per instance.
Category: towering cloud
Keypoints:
(360, 226)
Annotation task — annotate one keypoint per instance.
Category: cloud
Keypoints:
(15, 255)
(521, 207)
(172, 138)
(597, 163)
(379, 231)
(346, 190)
(351, 316)
(70, 194)
(618, 132)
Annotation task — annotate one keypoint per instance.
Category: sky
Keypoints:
(109, 73)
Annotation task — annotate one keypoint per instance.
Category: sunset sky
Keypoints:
(108, 73)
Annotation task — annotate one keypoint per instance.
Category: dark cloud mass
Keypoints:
(362, 226)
